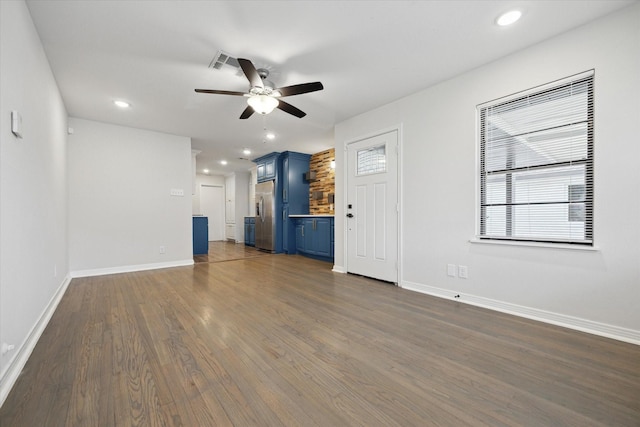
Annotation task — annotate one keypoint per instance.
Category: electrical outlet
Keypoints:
(5, 348)
(162, 250)
(451, 270)
(463, 272)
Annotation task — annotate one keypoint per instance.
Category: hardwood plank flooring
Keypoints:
(274, 340)
(228, 251)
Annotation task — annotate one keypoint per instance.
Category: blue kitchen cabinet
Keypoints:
(307, 236)
(267, 167)
(295, 188)
(295, 194)
(200, 235)
(291, 193)
(300, 243)
(322, 237)
(314, 237)
(250, 231)
(287, 231)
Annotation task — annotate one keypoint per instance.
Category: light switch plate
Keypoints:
(451, 270)
(16, 124)
(463, 272)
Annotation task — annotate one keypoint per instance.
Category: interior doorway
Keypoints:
(212, 206)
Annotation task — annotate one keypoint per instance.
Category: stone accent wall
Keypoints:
(320, 163)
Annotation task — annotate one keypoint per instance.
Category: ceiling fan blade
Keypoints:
(301, 88)
(247, 112)
(288, 108)
(250, 71)
(221, 92)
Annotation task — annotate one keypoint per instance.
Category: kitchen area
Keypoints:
(290, 208)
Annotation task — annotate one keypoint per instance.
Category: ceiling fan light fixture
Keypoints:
(262, 104)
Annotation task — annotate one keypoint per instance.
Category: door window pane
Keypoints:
(371, 160)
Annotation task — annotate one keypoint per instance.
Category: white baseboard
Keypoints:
(15, 365)
(583, 325)
(129, 268)
(338, 269)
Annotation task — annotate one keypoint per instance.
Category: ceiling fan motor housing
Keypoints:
(268, 85)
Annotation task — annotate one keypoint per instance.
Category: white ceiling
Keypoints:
(366, 53)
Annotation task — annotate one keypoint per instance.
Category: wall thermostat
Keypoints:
(16, 124)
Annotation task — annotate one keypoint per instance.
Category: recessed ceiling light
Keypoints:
(270, 135)
(223, 162)
(246, 151)
(205, 170)
(508, 18)
(122, 104)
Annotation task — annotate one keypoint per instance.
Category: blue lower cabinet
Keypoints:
(250, 231)
(200, 235)
(288, 231)
(322, 237)
(300, 243)
(314, 237)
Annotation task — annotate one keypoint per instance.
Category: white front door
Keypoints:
(372, 207)
(212, 206)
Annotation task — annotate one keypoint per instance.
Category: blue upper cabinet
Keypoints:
(267, 167)
(295, 189)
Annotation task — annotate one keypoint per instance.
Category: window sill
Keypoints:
(536, 244)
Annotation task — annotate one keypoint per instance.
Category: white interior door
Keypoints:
(372, 207)
(212, 206)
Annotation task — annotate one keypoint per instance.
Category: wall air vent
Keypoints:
(225, 62)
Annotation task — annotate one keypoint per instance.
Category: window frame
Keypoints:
(481, 175)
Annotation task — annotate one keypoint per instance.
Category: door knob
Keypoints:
(349, 215)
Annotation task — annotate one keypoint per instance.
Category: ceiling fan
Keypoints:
(262, 97)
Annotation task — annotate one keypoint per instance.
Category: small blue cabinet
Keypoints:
(250, 231)
(267, 167)
(200, 235)
(314, 237)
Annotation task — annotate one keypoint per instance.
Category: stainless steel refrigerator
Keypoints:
(265, 216)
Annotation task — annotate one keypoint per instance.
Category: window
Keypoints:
(372, 160)
(536, 164)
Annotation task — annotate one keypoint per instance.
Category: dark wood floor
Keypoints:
(281, 340)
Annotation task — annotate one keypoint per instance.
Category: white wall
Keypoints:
(597, 291)
(207, 180)
(120, 207)
(242, 180)
(33, 249)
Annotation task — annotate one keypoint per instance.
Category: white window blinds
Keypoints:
(536, 165)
